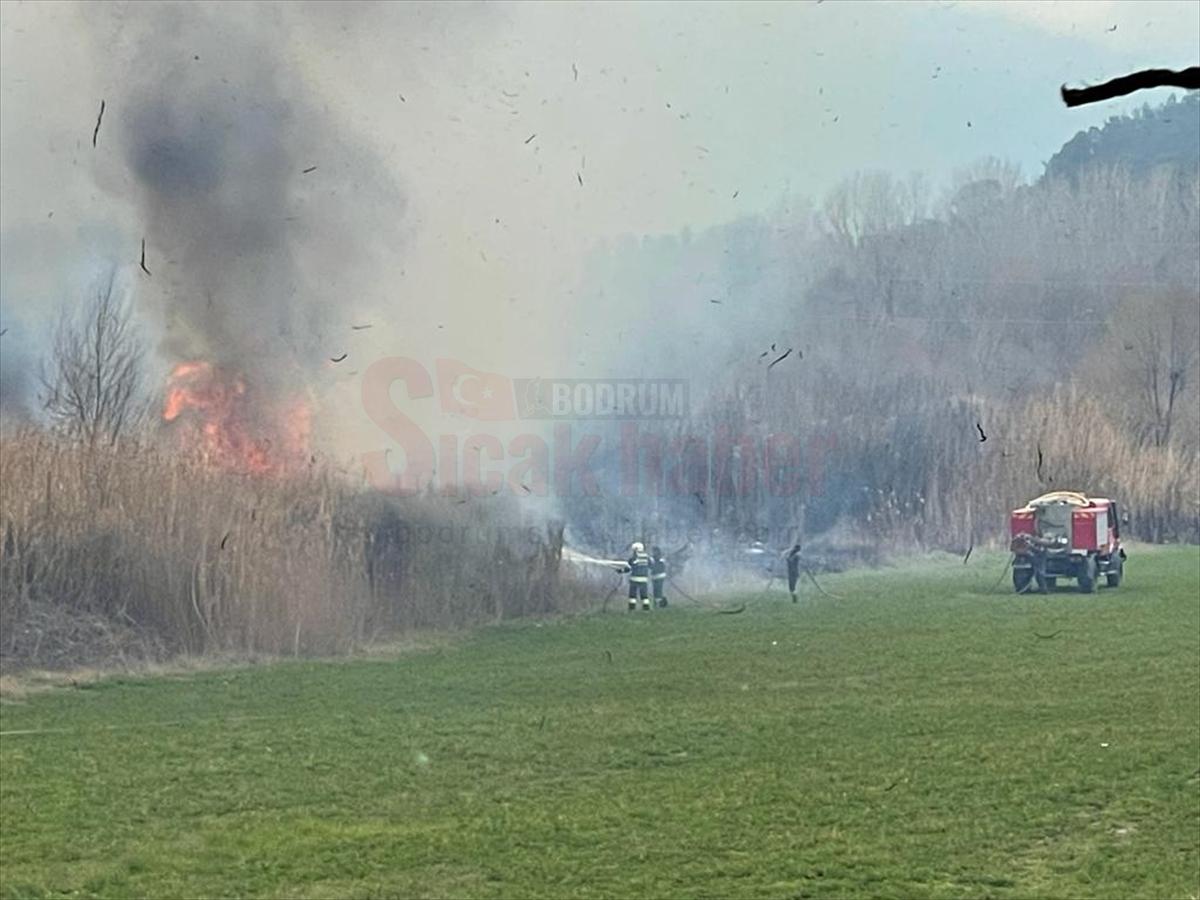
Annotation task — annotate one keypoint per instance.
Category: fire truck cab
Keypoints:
(1065, 534)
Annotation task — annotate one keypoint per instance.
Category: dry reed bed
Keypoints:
(137, 541)
(143, 552)
(905, 466)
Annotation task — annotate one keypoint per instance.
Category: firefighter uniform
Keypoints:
(658, 575)
(792, 557)
(639, 578)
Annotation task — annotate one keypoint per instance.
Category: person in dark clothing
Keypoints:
(792, 557)
(639, 577)
(658, 575)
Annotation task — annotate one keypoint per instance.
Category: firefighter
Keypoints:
(792, 558)
(658, 574)
(639, 577)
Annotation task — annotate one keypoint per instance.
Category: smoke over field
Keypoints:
(403, 253)
(542, 441)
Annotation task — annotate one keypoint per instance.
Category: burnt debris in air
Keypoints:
(99, 118)
(785, 355)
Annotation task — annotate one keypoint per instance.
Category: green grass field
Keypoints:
(915, 738)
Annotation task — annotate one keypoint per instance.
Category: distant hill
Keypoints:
(1152, 136)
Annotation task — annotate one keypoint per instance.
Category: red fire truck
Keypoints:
(1066, 534)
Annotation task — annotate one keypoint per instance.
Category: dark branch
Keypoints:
(1188, 79)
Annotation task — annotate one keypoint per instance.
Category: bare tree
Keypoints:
(1148, 367)
(92, 379)
(1166, 346)
(871, 217)
(872, 203)
(984, 182)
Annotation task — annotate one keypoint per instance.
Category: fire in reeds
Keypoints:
(215, 412)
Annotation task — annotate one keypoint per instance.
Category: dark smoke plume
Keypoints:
(255, 265)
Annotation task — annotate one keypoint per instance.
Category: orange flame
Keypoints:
(227, 428)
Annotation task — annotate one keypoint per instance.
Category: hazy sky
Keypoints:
(489, 117)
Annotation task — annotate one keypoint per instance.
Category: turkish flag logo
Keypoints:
(475, 394)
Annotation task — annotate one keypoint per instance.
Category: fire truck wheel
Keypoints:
(1114, 578)
(1087, 576)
